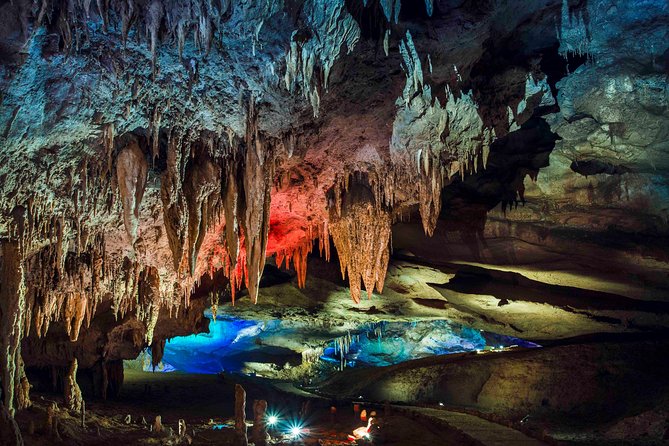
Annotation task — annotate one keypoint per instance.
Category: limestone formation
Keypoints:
(157, 157)
(240, 416)
(157, 426)
(360, 228)
(259, 432)
(131, 175)
(73, 398)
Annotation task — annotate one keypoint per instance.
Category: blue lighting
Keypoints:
(233, 343)
(389, 343)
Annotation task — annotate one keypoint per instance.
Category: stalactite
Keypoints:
(108, 143)
(157, 351)
(154, 17)
(231, 210)
(150, 300)
(298, 256)
(360, 228)
(74, 313)
(332, 27)
(131, 174)
(202, 193)
(257, 180)
(429, 191)
(175, 213)
(391, 8)
(155, 132)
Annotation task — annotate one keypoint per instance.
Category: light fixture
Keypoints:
(296, 430)
(272, 420)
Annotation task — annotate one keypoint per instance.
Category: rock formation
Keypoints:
(73, 398)
(240, 416)
(155, 156)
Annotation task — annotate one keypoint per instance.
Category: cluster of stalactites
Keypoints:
(64, 286)
(432, 142)
(71, 290)
(572, 31)
(342, 345)
(360, 225)
(331, 28)
(219, 189)
(178, 20)
(41, 219)
(298, 255)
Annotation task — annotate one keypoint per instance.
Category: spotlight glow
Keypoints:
(296, 431)
(272, 420)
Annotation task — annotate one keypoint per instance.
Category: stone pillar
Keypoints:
(73, 398)
(240, 416)
(12, 305)
(259, 433)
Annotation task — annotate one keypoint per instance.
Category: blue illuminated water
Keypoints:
(234, 343)
(389, 343)
(229, 344)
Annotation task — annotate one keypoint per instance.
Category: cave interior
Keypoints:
(426, 222)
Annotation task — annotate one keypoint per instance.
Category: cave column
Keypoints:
(12, 305)
(73, 398)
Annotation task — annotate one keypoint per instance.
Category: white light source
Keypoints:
(441, 404)
(272, 420)
(296, 431)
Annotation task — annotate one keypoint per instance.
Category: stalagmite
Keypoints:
(240, 416)
(131, 174)
(259, 433)
(158, 424)
(12, 305)
(73, 398)
(23, 389)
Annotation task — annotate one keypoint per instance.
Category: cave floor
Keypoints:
(206, 403)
